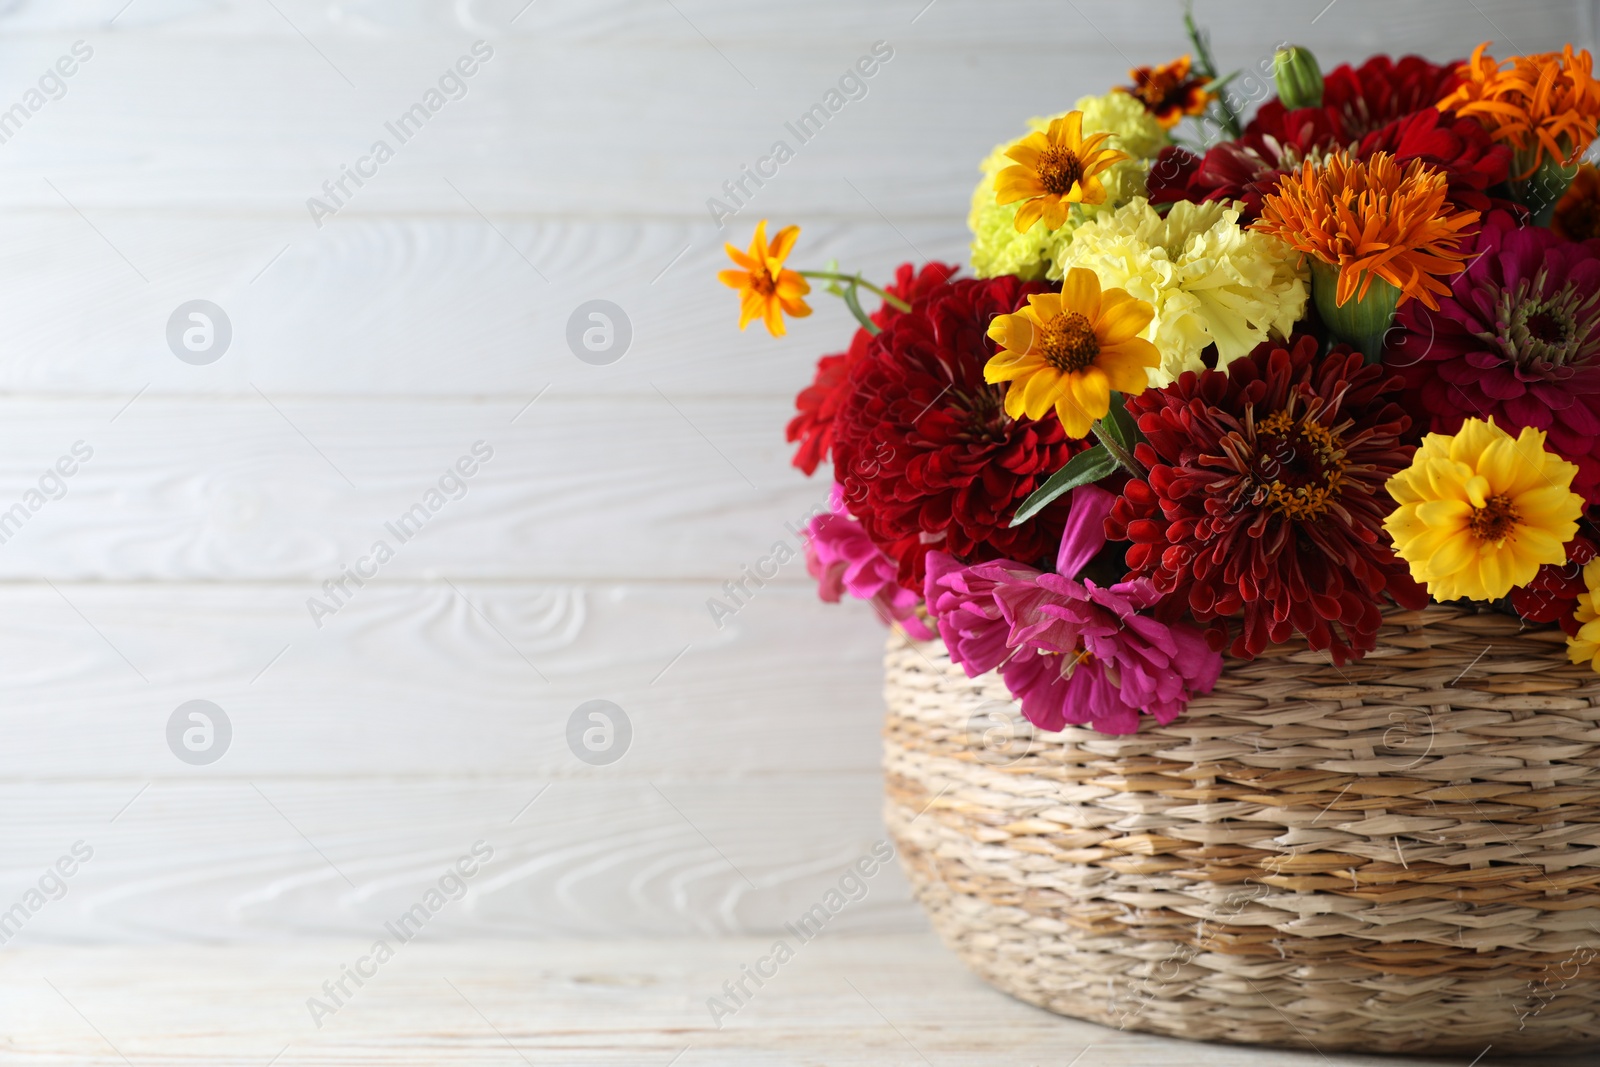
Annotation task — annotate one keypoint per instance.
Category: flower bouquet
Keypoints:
(1244, 492)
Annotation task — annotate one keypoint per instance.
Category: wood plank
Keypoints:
(191, 115)
(842, 1001)
(414, 307)
(689, 853)
(653, 487)
(412, 681)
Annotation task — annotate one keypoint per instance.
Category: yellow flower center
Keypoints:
(1059, 168)
(1300, 467)
(1068, 342)
(1495, 520)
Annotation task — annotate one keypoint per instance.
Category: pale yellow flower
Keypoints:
(1210, 280)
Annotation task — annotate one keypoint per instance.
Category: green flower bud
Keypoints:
(1298, 76)
(1361, 322)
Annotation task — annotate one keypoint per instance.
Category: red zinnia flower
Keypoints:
(1517, 337)
(1382, 106)
(1265, 498)
(1459, 147)
(923, 447)
(1371, 96)
(1275, 142)
(819, 402)
(1278, 141)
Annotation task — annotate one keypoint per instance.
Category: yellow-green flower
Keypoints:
(1584, 646)
(1480, 511)
(997, 247)
(1210, 280)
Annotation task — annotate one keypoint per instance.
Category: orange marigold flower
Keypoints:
(1169, 92)
(1055, 169)
(1371, 218)
(766, 290)
(1544, 105)
(1577, 213)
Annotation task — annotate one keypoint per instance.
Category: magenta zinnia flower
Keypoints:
(1070, 651)
(1518, 338)
(843, 559)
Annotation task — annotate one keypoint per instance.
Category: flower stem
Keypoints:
(855, 280)
(1208, 67)
(1118, 453)
(852, 302)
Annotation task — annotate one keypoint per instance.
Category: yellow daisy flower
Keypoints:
(1584, 646)
(1070, 350)
(1480, 511)
(766, 290)
(1055, 168)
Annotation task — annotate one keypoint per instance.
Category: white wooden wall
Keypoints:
(370, 353)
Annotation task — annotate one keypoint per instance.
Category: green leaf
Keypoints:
(1119, 424)
(1081, 469)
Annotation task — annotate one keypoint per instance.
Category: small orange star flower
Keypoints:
(1371, 219)
(766, 290)
(1169, 92)
(1544, 105)
(1055, 169)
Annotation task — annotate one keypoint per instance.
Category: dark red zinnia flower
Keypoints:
(1553, 594)
(1517, 338)
(1275, 142)
(818, 403)
(923, 447)
(1265, 498)
(1371, 96)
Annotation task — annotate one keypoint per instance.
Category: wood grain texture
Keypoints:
(684, 854)
(557, 124)
(416, 681)
(255, 488)
(414, 307)
(842, 1001)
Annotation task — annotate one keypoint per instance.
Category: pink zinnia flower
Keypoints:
(1070, 650)
(843, 559)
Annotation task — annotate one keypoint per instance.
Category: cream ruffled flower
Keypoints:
(997, 247)
(1209, 280)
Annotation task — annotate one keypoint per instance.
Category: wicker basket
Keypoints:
(1398, 855)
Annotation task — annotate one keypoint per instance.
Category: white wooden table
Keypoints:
(841, 1002)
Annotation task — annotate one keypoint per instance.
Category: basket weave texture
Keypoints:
(1396, 855)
